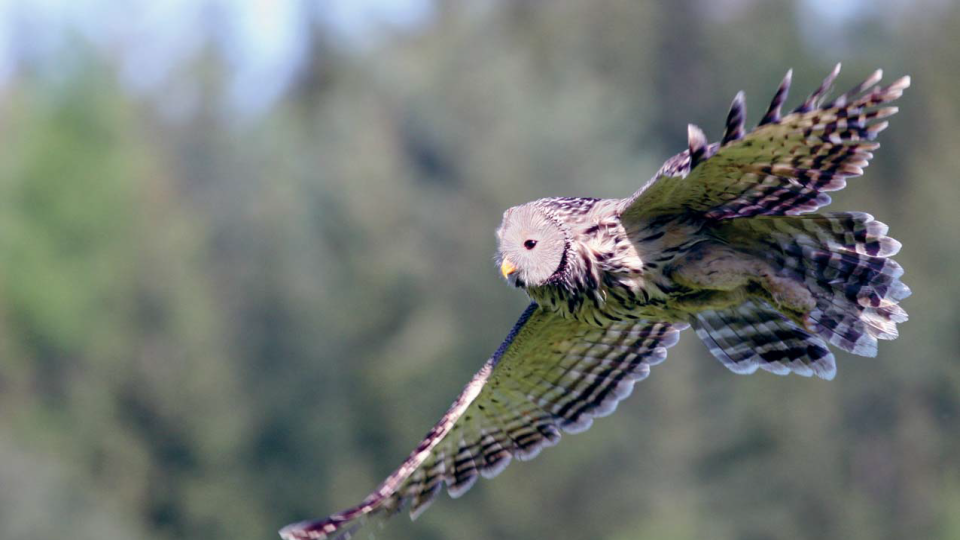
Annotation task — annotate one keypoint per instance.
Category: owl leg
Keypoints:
(721, 268)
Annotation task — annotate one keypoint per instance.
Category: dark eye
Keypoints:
(530, 244)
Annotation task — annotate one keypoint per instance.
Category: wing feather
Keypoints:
(736, 120)
(785, 166)
(550, 374)
(773, 111)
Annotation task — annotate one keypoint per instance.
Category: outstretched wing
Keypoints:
(784, 166)
(550, 375)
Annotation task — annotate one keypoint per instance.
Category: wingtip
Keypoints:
(303, 530)
(874, 129)
(901, 83)
(697, 143)
(694, 132)
(828, 81)
(733, 130)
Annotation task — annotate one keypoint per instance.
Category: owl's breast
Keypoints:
(619, 274)
(613, 276)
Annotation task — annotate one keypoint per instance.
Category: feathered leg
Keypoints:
(718, 267)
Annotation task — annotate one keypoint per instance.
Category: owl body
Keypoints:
(725, 239)
(612, 273)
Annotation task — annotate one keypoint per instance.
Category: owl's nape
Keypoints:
(532, 245)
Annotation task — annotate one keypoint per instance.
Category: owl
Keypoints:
(725, 238)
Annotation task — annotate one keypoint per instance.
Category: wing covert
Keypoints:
(784, 166)
(550, 375)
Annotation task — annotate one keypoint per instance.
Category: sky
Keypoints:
(261, 38)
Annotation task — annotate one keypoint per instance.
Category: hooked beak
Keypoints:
(507, 268)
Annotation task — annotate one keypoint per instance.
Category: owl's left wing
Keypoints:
(784, 166)
(550, 375)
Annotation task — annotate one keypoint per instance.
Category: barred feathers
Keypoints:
(784, 166)
(754, 190)
(550, 375)
(844, 261)
(809, 152)
(755, 335)
(751, 192)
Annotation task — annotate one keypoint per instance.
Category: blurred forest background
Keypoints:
(246, 262)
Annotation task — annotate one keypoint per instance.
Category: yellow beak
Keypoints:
(507, 268)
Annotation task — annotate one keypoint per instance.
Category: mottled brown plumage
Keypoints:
(722, 239)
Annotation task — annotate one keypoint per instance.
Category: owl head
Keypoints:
(532, 245)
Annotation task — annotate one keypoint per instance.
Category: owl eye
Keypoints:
(530, 244)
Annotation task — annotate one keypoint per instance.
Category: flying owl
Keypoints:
(724, 238)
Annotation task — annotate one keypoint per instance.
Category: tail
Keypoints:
(755, 335)
(843, 261)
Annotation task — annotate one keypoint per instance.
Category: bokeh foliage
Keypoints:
(212, 324)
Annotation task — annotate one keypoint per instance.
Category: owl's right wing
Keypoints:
(550, 375)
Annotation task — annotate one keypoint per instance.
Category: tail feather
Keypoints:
(843, 259)
(754, 335)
